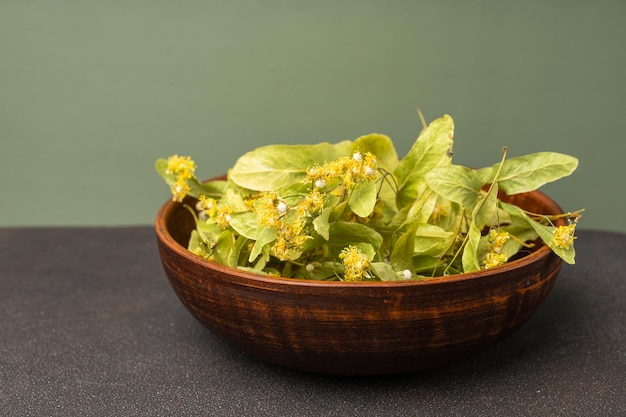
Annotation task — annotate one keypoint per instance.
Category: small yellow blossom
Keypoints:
(494, 259)
(495, 242)
(223, 217)
(356, 264)
(438, 212)
(347, 170)
(290, 236)
(497, 239)
(207, 206)
(183, 168)
(179, 189)
(266, 208)
(311, 203)
(564, 236)
(280, 249)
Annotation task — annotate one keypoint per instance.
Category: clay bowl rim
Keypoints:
(164, 235)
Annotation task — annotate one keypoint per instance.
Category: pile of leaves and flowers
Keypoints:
(354, 211)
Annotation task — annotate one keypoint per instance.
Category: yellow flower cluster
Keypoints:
(356, 264)
(494, 257)
(290, 223)
(439, 212)
(348, 171)
(183, 168)
(564, 236)
(207, 207)
(290, 236)
(266, 207)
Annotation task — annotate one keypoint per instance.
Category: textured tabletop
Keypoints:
(89, 326)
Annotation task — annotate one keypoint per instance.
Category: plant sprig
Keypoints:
(354, 210)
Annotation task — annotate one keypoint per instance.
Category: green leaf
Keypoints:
(363, 199)
(529, 172)
(272, 167)
(324, 271)
(321, 223)
(456, 183)
(264, 239)
(343, 234)
(433, 148)
(195, 242)
(432, 240)
(428, 265)
(225, 249)
(246, 224)
(384, 271)
(403, 250)
(470, 251)
(423, 207)
(485, 213)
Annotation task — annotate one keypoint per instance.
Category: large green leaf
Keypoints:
(433, 148)
(456, 183)
(529, 172)
(363, 199)
(272, 167)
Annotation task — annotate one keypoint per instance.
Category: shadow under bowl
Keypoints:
(369, 328)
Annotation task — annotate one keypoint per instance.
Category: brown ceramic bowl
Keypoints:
(357, 328)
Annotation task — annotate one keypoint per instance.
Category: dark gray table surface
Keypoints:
(89, 326)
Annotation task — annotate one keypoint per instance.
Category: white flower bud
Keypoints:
(281, 207)
(406, 274)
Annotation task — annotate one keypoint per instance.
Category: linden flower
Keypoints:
(497, 239)
(290, 236)
(564, 236)
(179, 189)
(181, 166)
(311, 203)
(495, 242)
(355, 263)
(207, 206)
(223, 217)
(347, 170)
(438, 212)
(494, 259)
(267, 210)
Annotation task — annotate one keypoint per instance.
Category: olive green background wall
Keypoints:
(92, 92)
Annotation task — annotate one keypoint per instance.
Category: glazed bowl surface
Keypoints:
(367, 328)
